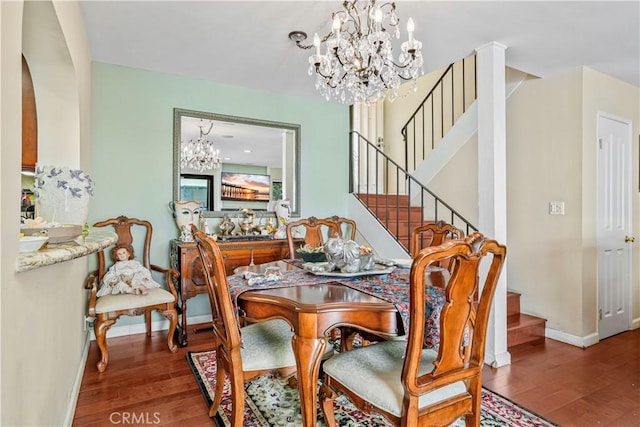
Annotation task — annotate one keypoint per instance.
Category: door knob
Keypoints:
(628, 239)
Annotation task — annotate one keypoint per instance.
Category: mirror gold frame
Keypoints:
(236, 127)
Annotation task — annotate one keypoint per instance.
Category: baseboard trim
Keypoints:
(635, 323)
(574, 340)
(498, 360)
(140, 328)
(75, 391)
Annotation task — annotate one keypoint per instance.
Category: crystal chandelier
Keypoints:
(200, 154)
(358, 64)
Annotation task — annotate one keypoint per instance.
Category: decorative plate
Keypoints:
(374, 271)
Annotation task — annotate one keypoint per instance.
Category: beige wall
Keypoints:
(457, 182)
(551, 134)
(544, 144)
(41, 311)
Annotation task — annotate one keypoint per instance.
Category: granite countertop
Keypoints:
(98, 239)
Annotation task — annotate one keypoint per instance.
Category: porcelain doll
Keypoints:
(127, 275)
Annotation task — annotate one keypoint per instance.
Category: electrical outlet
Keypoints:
(88, 322)
(556, 208)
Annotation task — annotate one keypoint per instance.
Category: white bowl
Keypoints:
(32, 243)
(64, 233)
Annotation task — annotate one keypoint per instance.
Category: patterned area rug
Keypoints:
(271, 402)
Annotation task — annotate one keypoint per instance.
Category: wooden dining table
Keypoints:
(313, 310)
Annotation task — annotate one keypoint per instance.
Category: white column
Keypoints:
(492, 183)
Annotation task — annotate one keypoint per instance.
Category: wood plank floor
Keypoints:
(146, 384)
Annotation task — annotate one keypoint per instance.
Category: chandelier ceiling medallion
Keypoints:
(200, 154)
(354, 62)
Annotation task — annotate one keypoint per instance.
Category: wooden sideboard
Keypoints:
(184, 257)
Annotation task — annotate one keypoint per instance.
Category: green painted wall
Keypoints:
(132, 146)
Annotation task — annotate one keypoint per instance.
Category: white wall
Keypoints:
(41, 311)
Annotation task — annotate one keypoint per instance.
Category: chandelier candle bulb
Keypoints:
(316, 43)
(378, 18)
(336, 29)
(410, 29)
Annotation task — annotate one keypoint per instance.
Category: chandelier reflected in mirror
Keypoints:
(200, 153)
(355, 62)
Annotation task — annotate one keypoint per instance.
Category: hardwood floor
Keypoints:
(596, 386)
(145, 384)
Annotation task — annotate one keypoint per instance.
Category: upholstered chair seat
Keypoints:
(108, 303)
(267, 345)
(373, 373)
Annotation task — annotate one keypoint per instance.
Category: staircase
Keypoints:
(394, 193)
(395, 213)
(522, 328)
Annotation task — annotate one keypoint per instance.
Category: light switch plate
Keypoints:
(556, 208)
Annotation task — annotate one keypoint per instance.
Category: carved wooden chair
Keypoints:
(264, 346)
(409, 384)
(346, 227)
(434, 234)
(314, 231)
(108, 308)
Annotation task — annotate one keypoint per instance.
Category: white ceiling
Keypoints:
(245, 43)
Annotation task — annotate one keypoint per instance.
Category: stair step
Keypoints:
(524, 328)
(384, 199)
(513, 303)
(402, 228)
(392, 212)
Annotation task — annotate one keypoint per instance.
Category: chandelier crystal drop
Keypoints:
(355, 61)
(200, 154)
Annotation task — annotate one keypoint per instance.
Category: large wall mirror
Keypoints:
(255, 162)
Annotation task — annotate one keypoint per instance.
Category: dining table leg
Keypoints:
(308, 351)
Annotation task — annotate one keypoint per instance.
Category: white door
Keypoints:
(614, 225)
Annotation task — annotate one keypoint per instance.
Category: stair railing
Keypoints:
(387, 190)
(449, 98)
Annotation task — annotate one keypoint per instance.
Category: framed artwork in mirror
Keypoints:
(245, 186)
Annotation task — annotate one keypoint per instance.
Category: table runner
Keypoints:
(392, 287)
